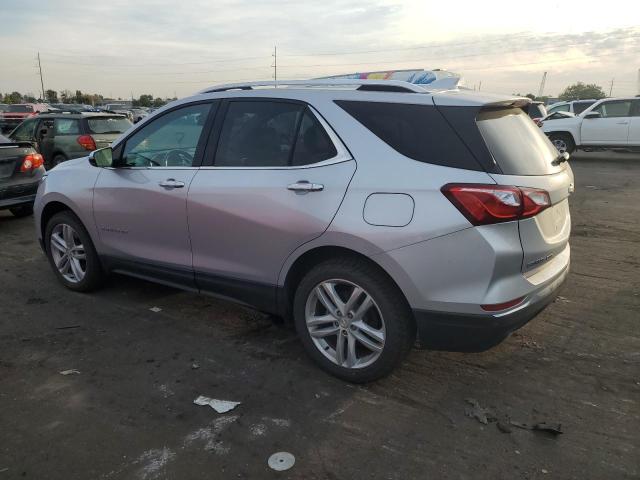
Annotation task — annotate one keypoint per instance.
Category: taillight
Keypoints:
(31, 162)
(488, 204)
(534, 201)
(87, 142)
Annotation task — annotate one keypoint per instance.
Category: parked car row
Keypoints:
(12, 115)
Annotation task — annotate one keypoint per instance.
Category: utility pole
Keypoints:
(41, 81)
(275, 65)
(542, 84)
(480, 85)
(611, 86)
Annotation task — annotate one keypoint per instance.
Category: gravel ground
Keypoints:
(129, 413)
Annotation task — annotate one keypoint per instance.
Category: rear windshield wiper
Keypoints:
(561, 158)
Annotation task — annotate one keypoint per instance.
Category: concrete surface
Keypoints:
(129, 413)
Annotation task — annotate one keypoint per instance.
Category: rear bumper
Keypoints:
(477, 333)
(20, 194)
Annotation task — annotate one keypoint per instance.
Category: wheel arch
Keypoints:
(564, 132)
(307, 260)
(49, 210)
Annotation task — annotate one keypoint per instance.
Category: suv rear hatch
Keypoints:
(105, 129)
(515, 152)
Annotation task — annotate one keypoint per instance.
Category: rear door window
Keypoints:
(66, 126)
(518, 146)
(313, 144)
(258, 134)
(415, 131)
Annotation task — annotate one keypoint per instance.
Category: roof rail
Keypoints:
(369, 85)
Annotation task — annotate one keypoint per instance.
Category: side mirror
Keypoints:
(102, 158)
(593, 115)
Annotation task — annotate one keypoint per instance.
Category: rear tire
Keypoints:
(22, 211)
(372, 343)
(563, 142)
(71, 253)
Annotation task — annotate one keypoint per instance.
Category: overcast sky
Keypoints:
(124, 47)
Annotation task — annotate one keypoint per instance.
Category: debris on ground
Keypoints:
(67, 327)
(220, 406)
(195, 366)
(554, 428)
(504, 427)
(281, 461)
(475, 410)
(155, 309)
(72, 371)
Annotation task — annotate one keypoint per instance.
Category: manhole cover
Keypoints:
(281, 461)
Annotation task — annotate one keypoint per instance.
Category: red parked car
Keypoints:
(15, 114)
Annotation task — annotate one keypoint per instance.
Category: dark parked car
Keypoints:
(21, 169)
(62, 136)
(15, 114)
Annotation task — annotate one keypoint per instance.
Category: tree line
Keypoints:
(68, 96)
(577, 91)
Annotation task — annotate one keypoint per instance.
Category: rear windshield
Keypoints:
(20, 108)
(517, 144)
(108, 124)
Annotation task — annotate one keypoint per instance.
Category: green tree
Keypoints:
(67, 96)
(78, 97)
(158, 102)
(580, 91)
(144, 101)
(13, 97)
(51, 96)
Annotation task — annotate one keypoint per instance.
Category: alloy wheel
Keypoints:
(345, 323)
(68, 253)
(560, 145)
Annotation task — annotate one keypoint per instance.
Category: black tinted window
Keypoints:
(258, 134)
(313, 144)
(416, 131)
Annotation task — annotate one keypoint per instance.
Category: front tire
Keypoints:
(71, 253)
(352, 320)
(563, 142)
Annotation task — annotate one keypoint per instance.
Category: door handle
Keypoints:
(171, 183)
(303, 186)
(622, 123)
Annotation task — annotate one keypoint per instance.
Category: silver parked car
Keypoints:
(371, 213)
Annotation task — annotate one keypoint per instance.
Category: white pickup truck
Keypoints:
(611, 123)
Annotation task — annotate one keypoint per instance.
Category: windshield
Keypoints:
(108, 124)
(20, 108)
(580, 107)
(518, 146)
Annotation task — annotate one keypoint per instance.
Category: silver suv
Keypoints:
(371, 213)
